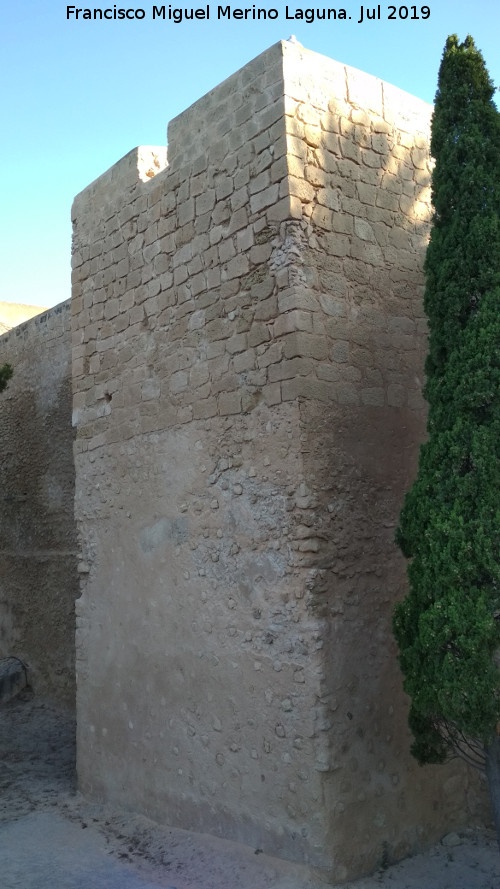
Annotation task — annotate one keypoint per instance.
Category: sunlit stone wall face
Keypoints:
(248, 344)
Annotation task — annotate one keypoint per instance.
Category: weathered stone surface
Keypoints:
(248, 354)
(284, 435)
(38, 577)
(13, 678)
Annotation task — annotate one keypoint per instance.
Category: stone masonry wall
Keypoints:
(359, 165)
(247, 357)
(38, 576)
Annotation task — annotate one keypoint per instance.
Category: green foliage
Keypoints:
(448, 627)
(6, 372)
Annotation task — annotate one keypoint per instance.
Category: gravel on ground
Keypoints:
(52, 838)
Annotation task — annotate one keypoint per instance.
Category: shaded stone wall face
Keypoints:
(38, 566)
(248, 341)
(359, 165)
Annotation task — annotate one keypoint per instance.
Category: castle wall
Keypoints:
(248, 341)
(38, 567)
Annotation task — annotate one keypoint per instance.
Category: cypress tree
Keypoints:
(448, 626)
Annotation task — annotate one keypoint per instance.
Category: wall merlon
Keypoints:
(255, 87)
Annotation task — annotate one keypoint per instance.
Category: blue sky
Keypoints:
(77, 95)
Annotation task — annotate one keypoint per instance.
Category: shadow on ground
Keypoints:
(51, 838)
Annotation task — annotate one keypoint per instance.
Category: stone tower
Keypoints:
(248, 344)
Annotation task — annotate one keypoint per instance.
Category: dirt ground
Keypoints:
(51, 838)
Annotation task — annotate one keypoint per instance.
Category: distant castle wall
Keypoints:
(13, 314)
(38, 577)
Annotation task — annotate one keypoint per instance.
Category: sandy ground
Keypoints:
(51, 838)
